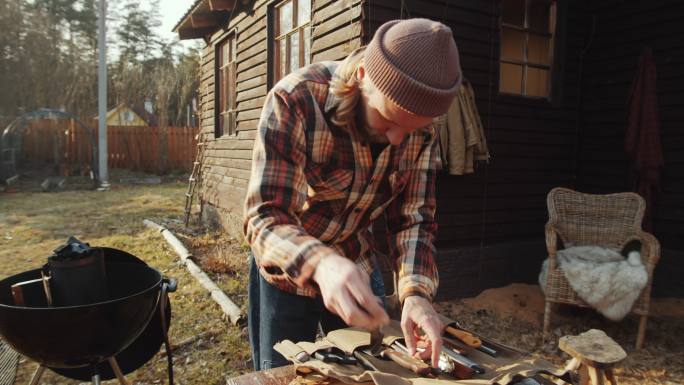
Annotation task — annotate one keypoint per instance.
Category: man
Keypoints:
(339, 144)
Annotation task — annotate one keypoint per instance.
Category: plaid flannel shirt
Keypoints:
(315, 189)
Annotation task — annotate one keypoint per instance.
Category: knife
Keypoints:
(461, 359)
(464, 336)
(404, 360)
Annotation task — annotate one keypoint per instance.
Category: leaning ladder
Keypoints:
(194, 180)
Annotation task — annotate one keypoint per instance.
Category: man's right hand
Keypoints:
(346, 291)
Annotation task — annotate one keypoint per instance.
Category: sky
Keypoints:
(171, 12)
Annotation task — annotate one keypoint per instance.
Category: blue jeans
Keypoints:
(275, 315)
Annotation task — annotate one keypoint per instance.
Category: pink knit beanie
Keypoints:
(415, 63)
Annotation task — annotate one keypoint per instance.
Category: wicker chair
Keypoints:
(611, 220)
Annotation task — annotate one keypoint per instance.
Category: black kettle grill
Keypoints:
(90, 341)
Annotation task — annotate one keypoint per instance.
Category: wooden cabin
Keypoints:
(551, 79)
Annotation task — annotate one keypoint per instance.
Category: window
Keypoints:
(292, 35)
(527, 41)
(225, 83)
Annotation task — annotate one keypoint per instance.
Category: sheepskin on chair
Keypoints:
(602, 277)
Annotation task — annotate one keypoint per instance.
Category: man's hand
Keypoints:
(346, 291)
(418, 314)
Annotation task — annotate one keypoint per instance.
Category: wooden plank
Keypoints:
(222, 5)
(250, 15)
(247, 134)
(337, 52)
(254, 50)
(334, 8)
(256, 92)
(233, 154)
(254, 35)
(218, 166)
(242, 164)
(229, 198)
(342, 35)
(249, 114)
(252, 103)
(260, 58)
(208, 19)
(251, 73)
(251, 83)
(247, 125)
(350, 16)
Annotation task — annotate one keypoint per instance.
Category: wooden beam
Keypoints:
(206, 19)
(222, 5)
(195, 33)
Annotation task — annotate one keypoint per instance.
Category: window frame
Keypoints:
(275, 35)
(552, 91)
(222, 93)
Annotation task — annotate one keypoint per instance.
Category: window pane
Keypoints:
(283, 58)
(227, 88)
(231, 86)
(226, 123)
(294, 51)
(538, 49)
(307, 45)
(512, 43)
(304, 12)
(225, 53)
(538, 14)
(285, 17)
(537, 82)
(510, 78)
(513, 12)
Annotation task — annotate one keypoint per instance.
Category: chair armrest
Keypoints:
(650, 250)
(552, 235)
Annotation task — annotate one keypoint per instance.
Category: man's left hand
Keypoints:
(418, 314)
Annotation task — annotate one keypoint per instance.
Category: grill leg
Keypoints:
(37, 375)
(96, 379)
(117, 371)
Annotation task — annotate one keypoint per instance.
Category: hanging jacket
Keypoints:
(462, 138)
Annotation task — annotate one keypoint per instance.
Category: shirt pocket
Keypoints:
(324, 186)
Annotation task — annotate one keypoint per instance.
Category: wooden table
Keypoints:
(277, 376)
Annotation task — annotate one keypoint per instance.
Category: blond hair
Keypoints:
(345, 85)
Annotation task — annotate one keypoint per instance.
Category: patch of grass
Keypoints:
(33, 224)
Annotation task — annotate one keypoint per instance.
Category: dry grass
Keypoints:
(33, 224)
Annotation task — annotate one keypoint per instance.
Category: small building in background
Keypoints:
(124, 115)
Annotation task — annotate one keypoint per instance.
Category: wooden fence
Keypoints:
(69, 146)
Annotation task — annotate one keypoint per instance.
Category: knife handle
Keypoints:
(464, 336)
(411, 363)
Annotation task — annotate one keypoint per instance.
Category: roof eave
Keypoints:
(204, 18)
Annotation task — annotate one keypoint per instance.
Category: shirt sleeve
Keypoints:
(276, 195)
(412, 226)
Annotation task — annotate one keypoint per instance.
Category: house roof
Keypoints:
(205, 17)
(149, 118)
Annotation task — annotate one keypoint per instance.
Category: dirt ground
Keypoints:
(212, 350)
(513, 315)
